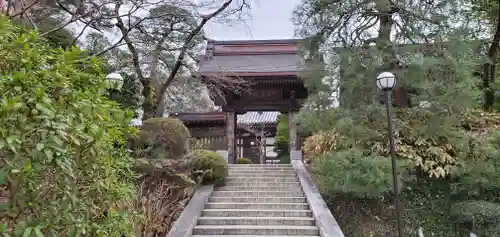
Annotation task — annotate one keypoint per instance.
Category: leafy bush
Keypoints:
(319, 144)
(353, 173)
(207, 167)
(243, 161)
(438, 144)
(284, 159)
(480, 213)
(493, 231)
(167, 134)
(64, 170)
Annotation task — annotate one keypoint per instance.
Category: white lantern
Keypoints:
(115, 81)
(386, 81)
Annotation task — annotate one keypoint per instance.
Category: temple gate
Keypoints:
(271, 69)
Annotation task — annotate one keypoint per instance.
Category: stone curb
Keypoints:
(184, 225)
(326, 223)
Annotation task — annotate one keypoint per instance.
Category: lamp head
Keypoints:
(386, 81)
(115, 81)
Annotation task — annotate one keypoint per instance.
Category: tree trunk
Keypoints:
(148, 104)
(489, 70)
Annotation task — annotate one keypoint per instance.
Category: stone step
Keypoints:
(246, 236)
(261, 179)
(257, 194)
(268, 184)
(296, 221)
(262, 168)
(258, 199)
(262, 174)
(259, 173)
(259, 188)
(260, 165)
(255, 230)
(255, 213)
(267, 206)
(250, 177)
(273, 161)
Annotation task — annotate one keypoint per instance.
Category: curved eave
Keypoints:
(248, 74)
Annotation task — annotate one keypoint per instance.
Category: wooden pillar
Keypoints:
(292, 127)
(262, 148)
(231, 136)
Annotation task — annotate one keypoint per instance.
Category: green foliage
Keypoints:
(354, 173)
(165, 134)
(61, 38)
(284, 159)
(450, 146)
(129, 96)
(481, 214)
(243, 160)
(493, 231)
(427, 204)
(282, 136)
(207, 166)
(63, 167)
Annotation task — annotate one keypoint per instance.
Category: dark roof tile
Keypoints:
(252, 63)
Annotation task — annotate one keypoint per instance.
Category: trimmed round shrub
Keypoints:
(481, 213)
(167, 134)
(207, 167)
(243, 160)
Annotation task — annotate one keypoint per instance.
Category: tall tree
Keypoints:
(489, 11)
(162, 38)
(405, 37)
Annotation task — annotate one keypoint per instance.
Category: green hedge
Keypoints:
(243, 160)
(166, 136)
(207, 167)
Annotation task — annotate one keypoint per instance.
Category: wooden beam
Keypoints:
(213, 131)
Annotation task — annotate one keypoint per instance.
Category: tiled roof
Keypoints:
(251, 57)
(248, 118)
(251, 118)
(200, 117)
(256, 42)
(252, 63)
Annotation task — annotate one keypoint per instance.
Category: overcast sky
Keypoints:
(270, 19)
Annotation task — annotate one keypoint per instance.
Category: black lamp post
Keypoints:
(386, 82)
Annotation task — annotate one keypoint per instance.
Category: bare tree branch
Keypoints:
(23, 10)
(159, 111)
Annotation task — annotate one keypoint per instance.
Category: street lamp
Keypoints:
(114, 81)
(386, 82)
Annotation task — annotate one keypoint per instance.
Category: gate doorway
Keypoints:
(255, 133)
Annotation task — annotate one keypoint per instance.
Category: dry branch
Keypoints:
(180, 57)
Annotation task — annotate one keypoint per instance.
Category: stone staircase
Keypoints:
(258, 200)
